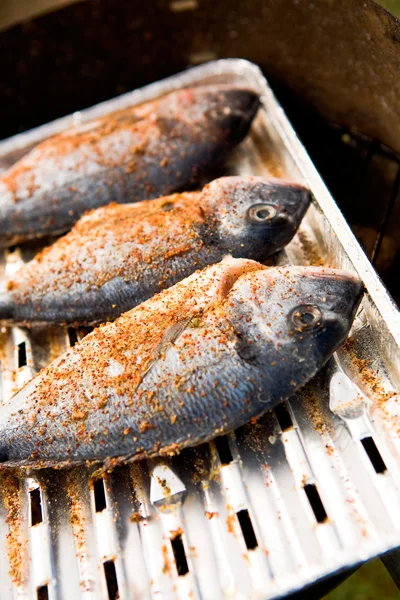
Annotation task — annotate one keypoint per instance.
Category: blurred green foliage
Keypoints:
(392, 5)
(370, 582)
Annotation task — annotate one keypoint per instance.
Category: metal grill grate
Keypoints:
(310, 488)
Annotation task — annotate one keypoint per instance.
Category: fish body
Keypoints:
(120, 255)
(194, 362)
(127, 156)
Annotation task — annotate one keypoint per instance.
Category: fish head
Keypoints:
(226, 108)
(289, 321)
(232, 109)
(255, 216)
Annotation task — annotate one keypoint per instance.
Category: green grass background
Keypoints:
(370, 582)
(392, 5)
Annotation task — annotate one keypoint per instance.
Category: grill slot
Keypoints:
(283, 415)
(223, 449)
(35, 501)
(72, 336)
(42, 593)
(237, 516)
(111, 579)
(180, 555)
(315, 502)
(22, 355)
(373, 454)
(99, 493)
(247, 529)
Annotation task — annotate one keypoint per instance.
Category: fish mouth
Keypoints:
(296, 210)
(251, 104)
(246, 99)
(243, 104)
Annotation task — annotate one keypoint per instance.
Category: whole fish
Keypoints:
(194, 362)
(121, 255)
(127, 156)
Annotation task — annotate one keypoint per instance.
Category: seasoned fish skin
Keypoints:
(196, 361)
(118, 256)
(128, 156)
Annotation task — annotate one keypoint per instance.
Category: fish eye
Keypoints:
(260, 213)
(306, 316)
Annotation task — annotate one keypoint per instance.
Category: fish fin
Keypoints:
(247, 349)
(170, 335)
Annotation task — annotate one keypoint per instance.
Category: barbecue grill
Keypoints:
(307, 491)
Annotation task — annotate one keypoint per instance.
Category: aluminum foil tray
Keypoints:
(309, 489)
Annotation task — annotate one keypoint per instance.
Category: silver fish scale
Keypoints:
(309, 489)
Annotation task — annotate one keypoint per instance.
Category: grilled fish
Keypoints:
(128, 156)
(194, 362)
(121, 255)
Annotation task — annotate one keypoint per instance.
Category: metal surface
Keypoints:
(309, 489)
